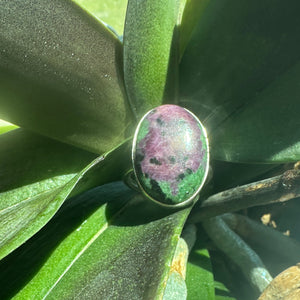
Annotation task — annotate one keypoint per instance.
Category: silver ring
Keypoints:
(170, 156)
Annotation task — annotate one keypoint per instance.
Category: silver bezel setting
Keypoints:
(194, 196)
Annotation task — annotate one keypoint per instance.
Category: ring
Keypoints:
(170, 156)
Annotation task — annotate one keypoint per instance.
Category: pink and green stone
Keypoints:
(170, 155)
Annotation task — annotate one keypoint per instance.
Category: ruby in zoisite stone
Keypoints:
(170, 155)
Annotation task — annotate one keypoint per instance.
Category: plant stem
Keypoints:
(276, 189)
(238, 251)
(189, 234)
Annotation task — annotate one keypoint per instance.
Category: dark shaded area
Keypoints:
(156, 193)
(180, 177)
(187, 172)
(231, 276)
(159, 122)
(172, 159)
(155, 161)
(285, 216)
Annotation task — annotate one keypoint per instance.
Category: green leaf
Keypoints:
(37, 176)
(267, 130)
(28, 158)
(6, 126)
(200, 280)
(150, 53)
(97, 247)
(222, 293)
(192, 12)
(237, 49)
(32, 208)
(68, 70)
(112, 12)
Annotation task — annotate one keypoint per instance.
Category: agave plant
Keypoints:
(75, 79)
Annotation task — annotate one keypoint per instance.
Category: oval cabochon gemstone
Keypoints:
(170, 155)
